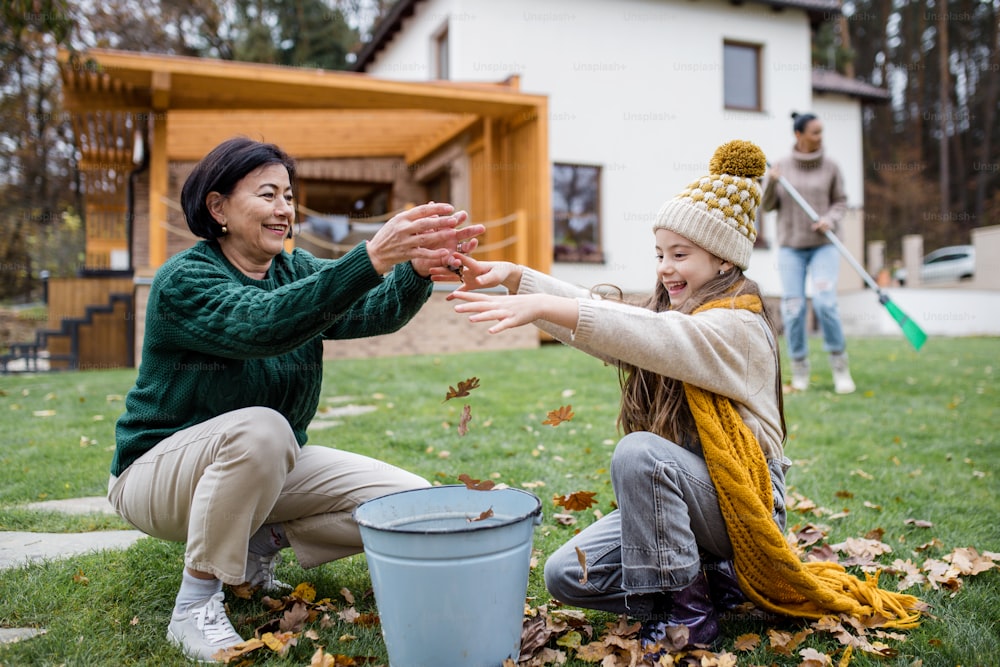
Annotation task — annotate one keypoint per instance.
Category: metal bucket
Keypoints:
(449, 566)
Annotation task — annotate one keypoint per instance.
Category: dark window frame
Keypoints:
(727, 101)
(442, 52)
(580, 242)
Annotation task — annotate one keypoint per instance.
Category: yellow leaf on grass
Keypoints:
(305, 592)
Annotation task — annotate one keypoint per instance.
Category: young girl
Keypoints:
(699, 475)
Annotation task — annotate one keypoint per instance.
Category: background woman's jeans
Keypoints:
(668, 514)
(822, 263)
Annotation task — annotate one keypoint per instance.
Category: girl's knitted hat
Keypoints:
(717, 211)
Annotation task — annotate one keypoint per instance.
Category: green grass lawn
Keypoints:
(918, 442)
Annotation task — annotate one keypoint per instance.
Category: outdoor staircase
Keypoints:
(103, 337)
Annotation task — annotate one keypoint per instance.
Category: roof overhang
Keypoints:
(350, 114)
(817, 10)
(830, 81)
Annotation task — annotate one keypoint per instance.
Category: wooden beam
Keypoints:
(201, 83)
(159, 183)
(446, 133)
(160, 87)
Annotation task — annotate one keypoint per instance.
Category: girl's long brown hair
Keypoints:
(656, 403)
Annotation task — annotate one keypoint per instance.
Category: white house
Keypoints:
(640, 94)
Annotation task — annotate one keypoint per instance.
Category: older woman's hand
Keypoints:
(425, 235)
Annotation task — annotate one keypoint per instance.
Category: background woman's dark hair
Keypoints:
(220, 171)
(800, 120)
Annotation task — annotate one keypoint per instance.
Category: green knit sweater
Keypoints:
(217, 340)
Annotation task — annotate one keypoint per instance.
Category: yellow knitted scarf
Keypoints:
(769, 572)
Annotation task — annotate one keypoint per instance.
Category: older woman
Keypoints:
(210, 450)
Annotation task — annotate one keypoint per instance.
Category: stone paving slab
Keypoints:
(11, 635)
(90, 505)
(20, 548)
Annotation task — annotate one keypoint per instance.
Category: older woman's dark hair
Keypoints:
(800, 120)
(220, 171)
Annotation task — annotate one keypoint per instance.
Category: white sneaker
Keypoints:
(800, 374)
(843, 383)
(260, 573)
(203, 630)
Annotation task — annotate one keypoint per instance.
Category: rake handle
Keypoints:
(833, 239)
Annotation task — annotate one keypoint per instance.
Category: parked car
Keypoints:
(949, 264)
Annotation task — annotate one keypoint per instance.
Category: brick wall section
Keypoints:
(436, 329)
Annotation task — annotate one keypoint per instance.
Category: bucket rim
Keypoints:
(471, 527)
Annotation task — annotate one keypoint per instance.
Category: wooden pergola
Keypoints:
(181, 107)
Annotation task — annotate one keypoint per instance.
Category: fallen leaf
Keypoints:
(560, 415)
(228, 654)
(747, 642)
(813, 658)
(294, 618)
(304, 591)
(347, 595)
(279, 642)
(919, 523)
(464, 387)
(81, 578)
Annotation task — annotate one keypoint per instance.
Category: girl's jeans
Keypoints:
(214, 484)
(668, 512)
(823, 265)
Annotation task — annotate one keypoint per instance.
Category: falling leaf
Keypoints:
(485, 514)
(581, 557)
(464, 387)
(463, 423)
(560, 415)
(576, 501)
(475, 484)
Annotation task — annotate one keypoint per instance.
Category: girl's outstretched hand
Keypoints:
(479, 275)
(515, 310)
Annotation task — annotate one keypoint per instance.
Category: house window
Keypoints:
(741, 76)
(576, 213)
(441, 53)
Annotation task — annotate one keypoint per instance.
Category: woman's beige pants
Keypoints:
(214, 484)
